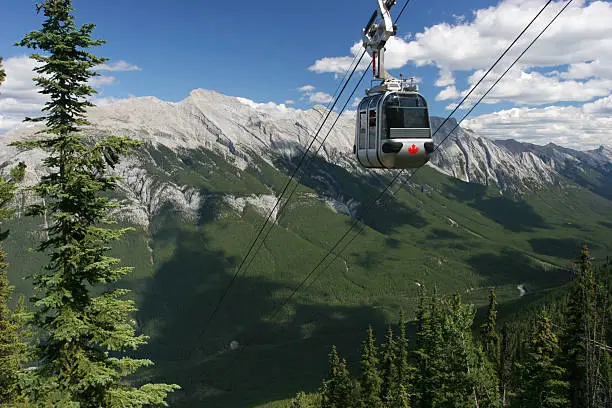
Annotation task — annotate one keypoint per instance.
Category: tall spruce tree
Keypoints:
(583, 357)
(13, 347)
(388, 371)
(543, 384)
(489, 334)
(509, 347)
(468, 377)
(429, 362)
(80, 330)
(338, 388)
(405, 372)
(399, 398)
(370, 375)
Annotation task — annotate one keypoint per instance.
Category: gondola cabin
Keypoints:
(393, 131)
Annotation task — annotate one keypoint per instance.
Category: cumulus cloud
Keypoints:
(320, 97)
(100, 81)
(450, 92)
(105, 100)
(308, 92)
(306, 88)
(270, 107)
(535, 88)
(117, 66)
(19, 96)
(578, 127)
(289, 102)
(580, 38)
(446, 78)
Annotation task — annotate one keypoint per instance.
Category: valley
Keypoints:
(482, 214)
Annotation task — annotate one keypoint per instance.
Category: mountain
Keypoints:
(482, 213)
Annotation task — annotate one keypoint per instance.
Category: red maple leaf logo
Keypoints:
(413, 149)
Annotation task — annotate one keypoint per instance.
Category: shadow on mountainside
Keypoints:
(514, 267)
(564, 248)
(273, 360)
(329, 179)
(516, 216)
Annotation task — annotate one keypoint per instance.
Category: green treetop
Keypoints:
(543, 384)
(370, 377)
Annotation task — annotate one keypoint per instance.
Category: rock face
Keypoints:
(244, 132)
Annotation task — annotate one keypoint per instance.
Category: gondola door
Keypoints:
(361, 138)
(373, 113)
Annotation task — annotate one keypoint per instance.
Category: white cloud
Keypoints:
(581, 37)
(100, 81)
(601, 106)
(314, 97)
(450, 92)
(580, 128)
(271, 107)
(105, 100)
(289, 102)
(320, 97)
(356, 102)
(446, 78)
(120, 65)
(459, 18)
(306, 88)
(19, 96)
(535, 88)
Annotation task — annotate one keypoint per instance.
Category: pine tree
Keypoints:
(399, 398)
(388, 371)
(370, 377)
(405, 372)
(76, 368)
(301, 400)
(428, 378)
(337, 389)
(13, 348)
(543, 384)
(582, 357)
(508, 356)
(490, 337)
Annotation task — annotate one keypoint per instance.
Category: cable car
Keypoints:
(392, 129)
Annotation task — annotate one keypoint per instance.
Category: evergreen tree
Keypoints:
(490, 337)
(399, 398)
(80, 330)
(405, 372)
(508, 356)
(13, 348)
(543, 384)
(468, 377)
(301, 400)
(583, 358)
(428, 351)
(370, 379)
(337, 390)
(388, 371)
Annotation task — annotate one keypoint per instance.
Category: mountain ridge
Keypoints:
(244, 131)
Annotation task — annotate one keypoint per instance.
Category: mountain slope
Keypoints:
(210, 172)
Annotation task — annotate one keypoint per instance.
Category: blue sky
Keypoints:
(255, 50)
(263, 50)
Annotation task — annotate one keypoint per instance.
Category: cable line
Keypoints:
(234, 277)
